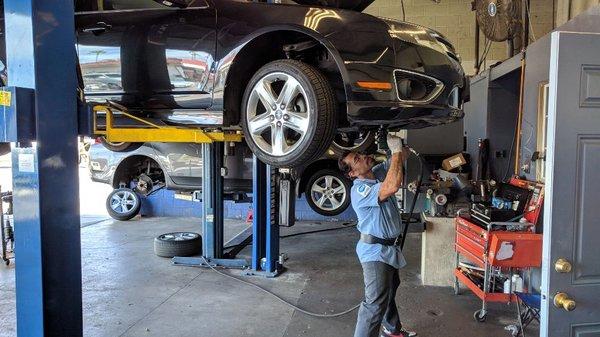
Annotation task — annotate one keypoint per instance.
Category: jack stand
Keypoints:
(212, 223)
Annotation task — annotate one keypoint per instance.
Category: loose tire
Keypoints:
(178, 244)
(288, 113)
(328, 192)
(123, 204)
(120, 146)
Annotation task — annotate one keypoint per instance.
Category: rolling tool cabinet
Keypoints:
(491, 252)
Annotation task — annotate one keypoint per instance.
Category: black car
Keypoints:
(289, 75)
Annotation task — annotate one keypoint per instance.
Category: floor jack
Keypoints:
(6, 229)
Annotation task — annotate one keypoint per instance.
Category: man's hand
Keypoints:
(394, 143)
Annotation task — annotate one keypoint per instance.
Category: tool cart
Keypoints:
(490, 245)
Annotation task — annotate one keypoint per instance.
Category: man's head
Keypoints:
(356, 165)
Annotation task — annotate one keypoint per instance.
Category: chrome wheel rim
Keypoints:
(123, 202)
(328, 193)
(277, 114)
(178, 236)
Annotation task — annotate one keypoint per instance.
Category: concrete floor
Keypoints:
(128, 291)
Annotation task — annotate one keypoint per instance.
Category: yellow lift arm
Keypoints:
(150, 132)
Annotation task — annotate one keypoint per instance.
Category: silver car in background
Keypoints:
(178, 166)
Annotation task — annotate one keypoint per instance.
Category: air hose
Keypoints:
(406, 222)
(345, 312)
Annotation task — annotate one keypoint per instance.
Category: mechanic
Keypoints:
(379, 222)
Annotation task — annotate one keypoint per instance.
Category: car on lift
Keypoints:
(292, 76)
(178, 166)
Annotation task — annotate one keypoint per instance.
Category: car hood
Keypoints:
(355, 5)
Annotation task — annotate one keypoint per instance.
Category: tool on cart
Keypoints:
(496, 246)
(6, 228)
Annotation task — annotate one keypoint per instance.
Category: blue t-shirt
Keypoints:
(380, 219)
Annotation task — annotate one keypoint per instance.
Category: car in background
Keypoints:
(178, 166)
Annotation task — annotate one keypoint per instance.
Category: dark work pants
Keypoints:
(379, 306)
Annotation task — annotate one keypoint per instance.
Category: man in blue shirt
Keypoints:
(379, 222)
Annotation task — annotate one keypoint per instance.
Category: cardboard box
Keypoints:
(454, 162)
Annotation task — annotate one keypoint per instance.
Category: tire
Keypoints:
(305, 120)
(4, 148)
(352, 141)
(323, 203)
(178, 244)
(122, 211)
(121, 146)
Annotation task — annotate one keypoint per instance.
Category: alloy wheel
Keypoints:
(328, 192)
(123, 201)
(278, 114)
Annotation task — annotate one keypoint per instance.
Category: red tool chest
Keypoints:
(491, 250)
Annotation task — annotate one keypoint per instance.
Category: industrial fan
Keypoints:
(499, 20)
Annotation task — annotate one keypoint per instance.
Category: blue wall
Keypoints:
(163, 203)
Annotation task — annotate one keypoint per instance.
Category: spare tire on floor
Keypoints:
(178, 244)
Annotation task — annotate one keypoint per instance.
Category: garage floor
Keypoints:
(128, 291)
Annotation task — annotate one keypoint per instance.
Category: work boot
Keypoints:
(401, 333)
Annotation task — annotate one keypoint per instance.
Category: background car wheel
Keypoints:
(4, 148)
(328, 192)
(123, 204)
(288, 113)
(121, 146)
(359, 141)
(178, 244)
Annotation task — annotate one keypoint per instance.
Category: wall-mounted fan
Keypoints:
(499, 20)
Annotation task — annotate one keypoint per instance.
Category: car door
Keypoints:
(184, 162)
(571, 261)
(148, 56)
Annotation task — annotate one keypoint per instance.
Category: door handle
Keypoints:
(563, 266)
(98, 28)
(562, 300)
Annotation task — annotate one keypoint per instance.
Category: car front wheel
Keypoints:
(328, 192)
(288, 113)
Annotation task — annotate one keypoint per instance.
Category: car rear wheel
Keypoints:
(120, 146)
(356, 141)
(123, 204)
(328, 192)
(288, 113)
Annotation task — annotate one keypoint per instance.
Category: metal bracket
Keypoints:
(147, 131)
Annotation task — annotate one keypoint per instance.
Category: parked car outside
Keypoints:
(178, 166)
(289, 75)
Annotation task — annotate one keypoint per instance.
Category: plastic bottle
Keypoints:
(517, 284)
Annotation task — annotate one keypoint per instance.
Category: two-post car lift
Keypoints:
(268, 186)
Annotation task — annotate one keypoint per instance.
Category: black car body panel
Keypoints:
(181, 64)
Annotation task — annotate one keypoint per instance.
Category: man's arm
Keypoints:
(393, 178)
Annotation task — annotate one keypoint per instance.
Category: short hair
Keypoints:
(342, 165)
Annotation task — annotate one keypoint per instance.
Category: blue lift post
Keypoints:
(266, 208)
(212, 222)
(265, 226)
(40, 47)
